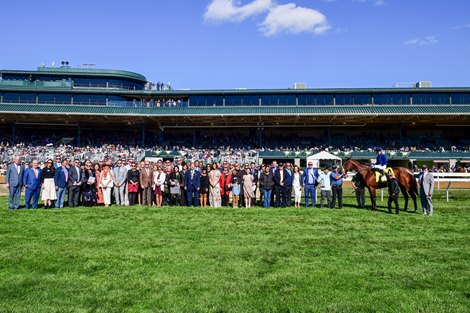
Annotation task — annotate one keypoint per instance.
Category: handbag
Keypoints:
(175, 190)
(132, 188)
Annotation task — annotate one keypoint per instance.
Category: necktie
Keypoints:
(192, 174)
(17, 168)
(66, 173)
(36, 173)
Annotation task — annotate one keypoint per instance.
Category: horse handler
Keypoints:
(393, 191)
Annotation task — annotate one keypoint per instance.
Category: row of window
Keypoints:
(82, 81)
(331, 99)
(252, 100)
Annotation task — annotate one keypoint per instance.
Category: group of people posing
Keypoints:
(126, 182)
(160, 183)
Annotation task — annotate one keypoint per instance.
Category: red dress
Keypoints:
(99, 192)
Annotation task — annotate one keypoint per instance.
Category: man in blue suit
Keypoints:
(310, 182)
(61, 180)
(192, 183)
(32, 184)
(14, 183)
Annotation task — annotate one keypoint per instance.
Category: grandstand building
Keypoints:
(77, 101)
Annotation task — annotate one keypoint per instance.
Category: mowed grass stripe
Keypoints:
(137, 259)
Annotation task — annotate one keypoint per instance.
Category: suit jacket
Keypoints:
(73, 175)
(195, 182)
(59, 178)
(277, 177)
(30, 179)
(146, 180)
(289, 179)
(13, 178)
(305, 177)
(426, 183)
(120, 175)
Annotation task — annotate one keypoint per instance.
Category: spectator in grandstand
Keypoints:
(146, 182)
(337, 187)
(159, 180)
(325, 187)
(288, 184)
(266, 185)
(393, 191)
(214, 190)
(235, 189)
(107, 181)
(14, 183)
(248, 186)
(175, 180)
(192, 184)
(32, 185)
(297, 185)
(89, 185)
(75, 183)
(48, 187)
(99, 192)
(380, 164)
(359, 189)
(280, 177)
(426, 189)
(225, 187)
(120, 177)
(204, 191)
(133, 176)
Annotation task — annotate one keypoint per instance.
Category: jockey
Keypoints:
(381, 164)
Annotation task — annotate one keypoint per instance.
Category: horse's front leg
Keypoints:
(373, 199)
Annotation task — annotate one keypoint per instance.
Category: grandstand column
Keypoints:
(13, 134)
(260, 136)
(162, 136)
(79, 131)
(194, 137)
(143, 135)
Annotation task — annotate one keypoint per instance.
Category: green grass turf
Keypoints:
(141, 259)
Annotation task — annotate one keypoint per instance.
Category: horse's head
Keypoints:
(348, 165)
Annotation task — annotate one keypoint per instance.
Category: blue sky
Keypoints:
(215, 44)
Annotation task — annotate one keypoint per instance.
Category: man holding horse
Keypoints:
(380, 165)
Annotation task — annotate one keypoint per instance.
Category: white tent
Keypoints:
(324, 156)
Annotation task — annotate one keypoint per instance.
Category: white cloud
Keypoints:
(289, 18)
(379, 3)
(426, 41)
(458, 27)
(233, 11)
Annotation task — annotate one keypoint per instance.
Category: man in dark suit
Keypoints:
(32, 184)
(192, 183)
(288, 184)
(310, 182)
(75, 183)
(280, 177)
(14, 183)
(61, 180)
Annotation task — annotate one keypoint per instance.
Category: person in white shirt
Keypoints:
(325, 187)
(159, 180)
(297, 186)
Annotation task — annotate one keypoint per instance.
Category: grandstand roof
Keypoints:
(69, 71)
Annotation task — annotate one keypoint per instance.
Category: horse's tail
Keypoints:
(413, 183)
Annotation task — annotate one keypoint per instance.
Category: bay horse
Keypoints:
(406, 180)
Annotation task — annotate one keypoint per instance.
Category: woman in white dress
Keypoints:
(297, 186)
(49, 193)
(107, 180)
(248, 181)
(159, 178)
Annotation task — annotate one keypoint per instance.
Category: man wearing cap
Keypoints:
(310, 182)
(426, 188)
(380, 165)
(337, 187)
